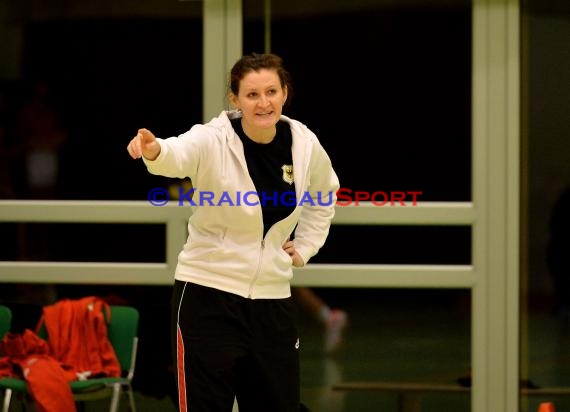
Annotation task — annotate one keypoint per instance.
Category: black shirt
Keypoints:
(270, 166)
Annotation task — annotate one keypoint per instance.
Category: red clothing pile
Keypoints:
(77, 348)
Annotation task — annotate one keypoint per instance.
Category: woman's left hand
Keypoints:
(289, 247)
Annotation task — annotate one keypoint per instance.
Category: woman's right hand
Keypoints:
(144, 144)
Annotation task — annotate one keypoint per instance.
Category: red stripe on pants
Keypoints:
(180, 368)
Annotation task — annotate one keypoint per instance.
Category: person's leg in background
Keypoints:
(333, 320)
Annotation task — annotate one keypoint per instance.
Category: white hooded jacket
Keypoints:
(225, 247)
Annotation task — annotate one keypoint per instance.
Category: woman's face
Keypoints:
(261, 100)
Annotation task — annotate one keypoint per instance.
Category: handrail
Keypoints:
(175, 218)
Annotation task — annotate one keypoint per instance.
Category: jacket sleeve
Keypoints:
(179, 155)
(318, 204)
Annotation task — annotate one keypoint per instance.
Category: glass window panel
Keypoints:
(394, 336)
(386, 86)
(76, 242)
(445, 245)
(387, 89)
(109, 69)
(545, 240)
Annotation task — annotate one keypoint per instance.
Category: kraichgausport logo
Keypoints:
(345, 197)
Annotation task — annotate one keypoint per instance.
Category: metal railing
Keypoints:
(175, 218)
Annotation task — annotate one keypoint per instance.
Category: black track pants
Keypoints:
(227, 345)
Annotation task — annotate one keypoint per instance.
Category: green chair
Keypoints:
(5, 320)
(5, 326)
(122, 332)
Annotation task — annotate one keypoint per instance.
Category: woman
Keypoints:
(234, 320)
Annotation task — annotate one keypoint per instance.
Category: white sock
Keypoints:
(324, 313)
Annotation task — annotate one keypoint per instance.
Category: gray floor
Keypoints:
(418, 336)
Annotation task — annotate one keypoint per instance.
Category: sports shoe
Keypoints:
(334, 327)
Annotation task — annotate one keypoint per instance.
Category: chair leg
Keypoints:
(115, 398)
(131, 398)
(7, 398)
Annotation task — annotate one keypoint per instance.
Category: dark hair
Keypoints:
(256, 62)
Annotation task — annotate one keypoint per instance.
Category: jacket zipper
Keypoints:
(262, 246)
(250, 293)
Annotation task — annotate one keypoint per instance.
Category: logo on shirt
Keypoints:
(288, 174)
